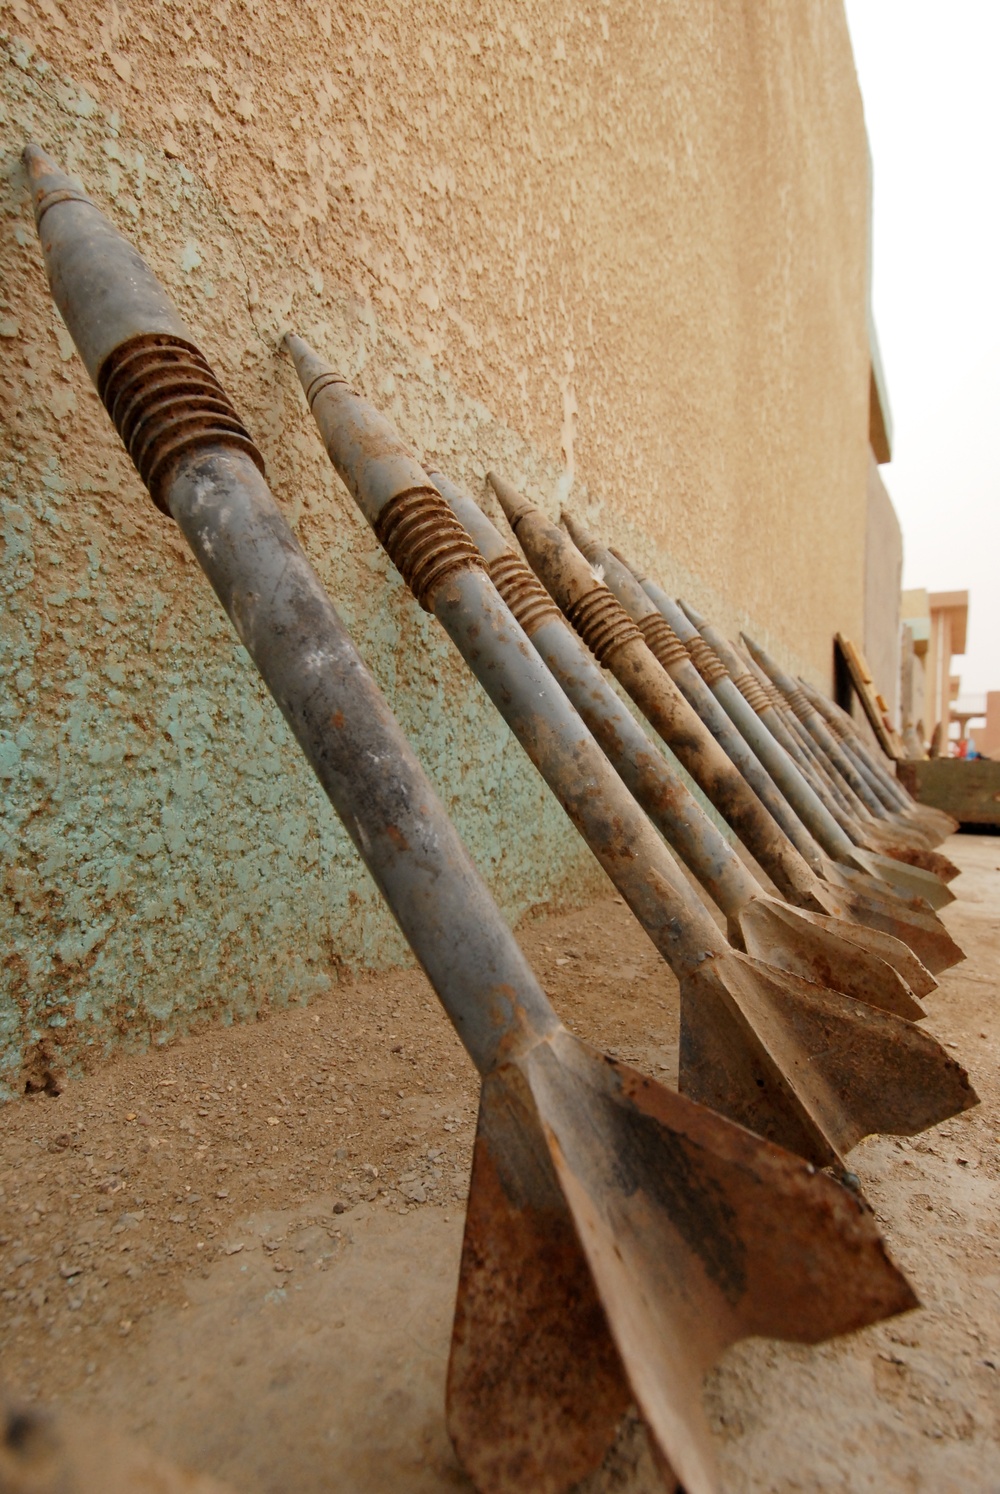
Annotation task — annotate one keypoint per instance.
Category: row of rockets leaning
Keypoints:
(618, 1235)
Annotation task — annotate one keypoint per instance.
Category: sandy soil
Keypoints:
(244, 1247)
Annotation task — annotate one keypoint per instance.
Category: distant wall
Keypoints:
(987, 736)
(618, 251)
(883, 580)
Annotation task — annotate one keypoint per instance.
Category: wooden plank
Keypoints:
(968, 790)
(873, 704)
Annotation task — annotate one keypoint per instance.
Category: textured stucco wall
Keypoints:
(883, 583)
(618, 251)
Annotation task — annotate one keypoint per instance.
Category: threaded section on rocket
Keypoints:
(323, 381)
(165, 401)
(522, 591)
(838, 728)
(797, 700)
(753, 692)
(774, 695)
(662, 641)
(602, 623)
(61, 194)
(705, 660)
(425, 542)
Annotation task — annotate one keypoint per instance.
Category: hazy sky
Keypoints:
(930, 80)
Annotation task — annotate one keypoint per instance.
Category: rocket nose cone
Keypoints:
(510, 500)
(309, 366)
(583, 539)
(296, 345)
(36, 160)
(692, 616)
(49, 183)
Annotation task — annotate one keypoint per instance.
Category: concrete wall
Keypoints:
(949, 619)
(987, 736)
(618, 251)
(883, 579)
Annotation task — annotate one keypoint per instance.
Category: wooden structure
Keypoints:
(875, 707)
(969, 790)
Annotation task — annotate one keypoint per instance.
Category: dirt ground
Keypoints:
(244, 1247)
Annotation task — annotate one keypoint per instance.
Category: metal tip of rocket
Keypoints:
(513, 503)
(314, 372)
(37, 162)
(693, 617)
(49, 183)
(572, 525)
(581, 537)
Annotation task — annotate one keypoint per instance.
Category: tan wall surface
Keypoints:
(651, 215)
(619, 247)
(883, 575)
(987, 736)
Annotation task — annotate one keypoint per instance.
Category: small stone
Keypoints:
(222, 1193)
(234, 1249)
(340, 1207)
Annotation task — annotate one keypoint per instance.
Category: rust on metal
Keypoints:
(752, 692)
(661, 640)
(862, 1062)
(863, 963)
(904, 841)
(645, 1232)
(569, 577)
(374, 462)
(523, 592)
(618, 1239)
(935, 822)
(164, 400)
(602, 623)
(617, 643)
(881, 829)
(425, 542)
(706, 660)
(667, 634)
